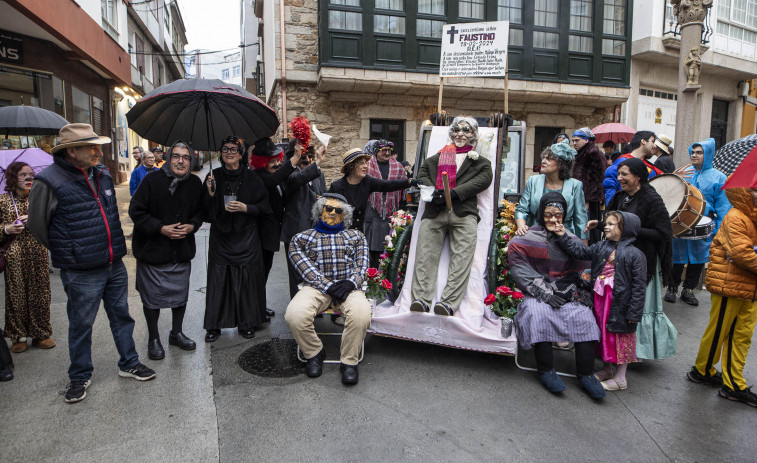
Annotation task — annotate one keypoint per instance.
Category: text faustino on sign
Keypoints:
(474, 50)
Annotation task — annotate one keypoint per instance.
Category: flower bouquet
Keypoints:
(505, 226)
(504, 303)
(377, 285)
(399, 222)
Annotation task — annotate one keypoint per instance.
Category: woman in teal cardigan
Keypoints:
(556, 170)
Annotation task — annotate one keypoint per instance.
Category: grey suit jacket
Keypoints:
(302, 188)
(473, 177)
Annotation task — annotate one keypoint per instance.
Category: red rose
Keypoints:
(386, 284)
(517, 295)
(489, 300)
(504, 290)
(372, 272)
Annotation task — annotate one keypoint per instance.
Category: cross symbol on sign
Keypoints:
(452, 31)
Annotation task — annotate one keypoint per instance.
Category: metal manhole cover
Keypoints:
(276, 358)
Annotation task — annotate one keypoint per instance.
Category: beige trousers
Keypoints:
(309, 302)
(462, 233)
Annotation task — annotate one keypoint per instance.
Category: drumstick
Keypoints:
(447, 194)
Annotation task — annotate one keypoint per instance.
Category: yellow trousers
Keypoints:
(727, 339)
(309, 302)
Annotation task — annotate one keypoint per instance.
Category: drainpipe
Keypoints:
(282, 34)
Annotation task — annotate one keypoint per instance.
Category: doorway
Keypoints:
(390, 130)
(719, 124)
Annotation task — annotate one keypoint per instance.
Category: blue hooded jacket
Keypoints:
(709, 181)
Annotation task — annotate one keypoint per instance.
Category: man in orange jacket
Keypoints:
(732, 281)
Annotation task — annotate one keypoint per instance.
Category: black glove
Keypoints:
(340, 290)
(415, 182)
(556, 300)
(437, 200)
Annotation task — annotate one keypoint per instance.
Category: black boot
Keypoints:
(181, 341)
(314, 365)
(270, 312)
(349, 373)
(155, 349)
(247, 334)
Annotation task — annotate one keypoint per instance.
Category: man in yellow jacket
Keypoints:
(732, 282)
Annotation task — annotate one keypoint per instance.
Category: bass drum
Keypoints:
(684, 202)
(702, 231)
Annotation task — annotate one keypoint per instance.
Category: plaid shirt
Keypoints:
(323, 259)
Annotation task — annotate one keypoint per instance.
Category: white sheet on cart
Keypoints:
(473, 326)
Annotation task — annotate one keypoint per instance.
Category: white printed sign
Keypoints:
(474, 49)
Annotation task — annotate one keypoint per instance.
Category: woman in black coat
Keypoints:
(356, 185)
(166, 213)
(234, 200)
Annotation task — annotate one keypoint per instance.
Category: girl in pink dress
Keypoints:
(618, 272)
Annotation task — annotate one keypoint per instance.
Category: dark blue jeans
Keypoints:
(85, 289)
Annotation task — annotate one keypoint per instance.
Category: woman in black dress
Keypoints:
(356, 185)
(234, 199)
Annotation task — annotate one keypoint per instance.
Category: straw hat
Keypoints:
(78, 135)
(351, 155)
(663, 142)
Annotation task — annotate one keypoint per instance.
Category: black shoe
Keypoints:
(745, 395)
(270, 312)
(247, 334)
(349, 373)
(441, 308)
(76, 391)
(418, 306)
(713, 381)
(6, 374)
(139, 372)
(181, 341)
(688, 297)
(155, 349)
(314, 365)
(212, 335)
(671, 295)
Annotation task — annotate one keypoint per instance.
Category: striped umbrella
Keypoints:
(730, 155)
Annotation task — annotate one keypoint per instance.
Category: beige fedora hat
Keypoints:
(663, 142)
(351, 155)
(78, 135)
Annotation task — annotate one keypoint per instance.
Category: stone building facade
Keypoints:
(351, 100)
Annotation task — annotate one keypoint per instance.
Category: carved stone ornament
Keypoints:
(690, 11)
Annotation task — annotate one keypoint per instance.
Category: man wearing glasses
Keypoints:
(332, 260)
(166, 214)
(73, 212)
(148, 165)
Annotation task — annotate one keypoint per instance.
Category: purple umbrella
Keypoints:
(35, 157)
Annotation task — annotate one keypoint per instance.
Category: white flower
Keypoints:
(473, 155)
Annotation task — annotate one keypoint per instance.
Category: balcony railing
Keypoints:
(671, 28)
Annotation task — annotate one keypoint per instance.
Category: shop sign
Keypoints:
(11, 48)
(474, 49)
(24, 72)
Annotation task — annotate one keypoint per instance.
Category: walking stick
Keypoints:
(447, 194)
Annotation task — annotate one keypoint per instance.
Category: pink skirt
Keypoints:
(618, 348)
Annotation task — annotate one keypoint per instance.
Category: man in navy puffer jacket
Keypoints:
(73, 212)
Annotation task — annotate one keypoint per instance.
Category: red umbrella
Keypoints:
(745, 175)
(615, 132)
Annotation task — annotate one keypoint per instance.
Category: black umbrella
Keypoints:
(203, 112)
(29, 120)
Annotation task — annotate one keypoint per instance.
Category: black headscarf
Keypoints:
(552, 198)
(637, 168)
